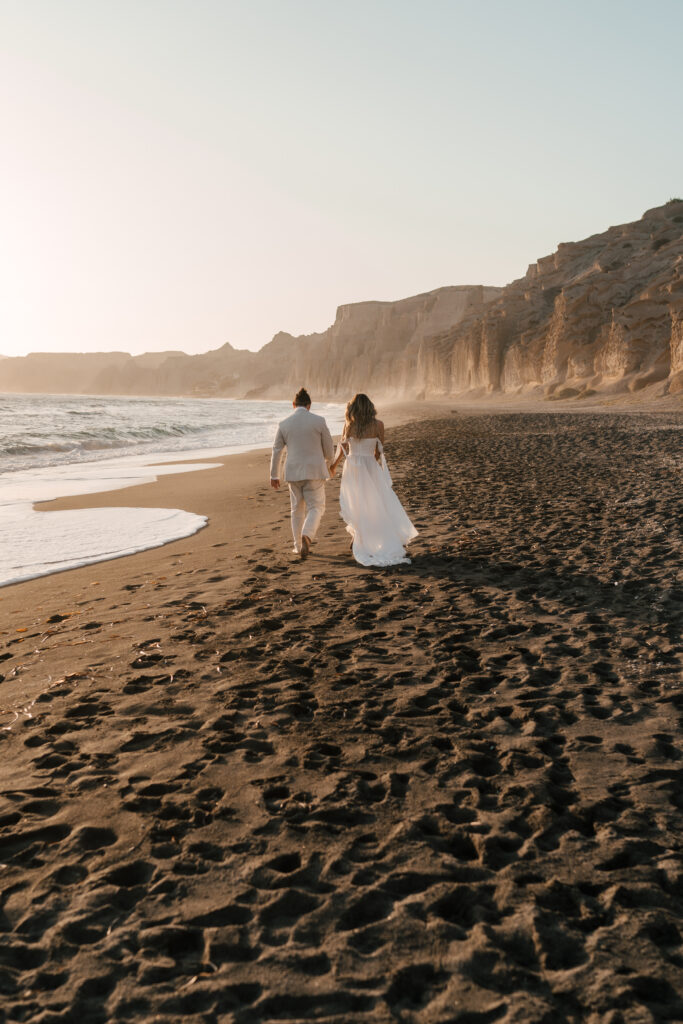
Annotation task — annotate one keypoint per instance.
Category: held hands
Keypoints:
(342, 449)
(275, 483)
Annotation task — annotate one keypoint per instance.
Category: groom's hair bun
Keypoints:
(302, 397)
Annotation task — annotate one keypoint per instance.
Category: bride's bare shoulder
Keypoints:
(380, 430)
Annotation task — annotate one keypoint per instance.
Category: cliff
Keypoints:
(371, 346)
(221, 372)
(604, 315)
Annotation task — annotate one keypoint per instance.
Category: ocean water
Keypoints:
(54, 430)
(54, 446)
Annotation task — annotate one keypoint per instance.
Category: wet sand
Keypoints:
(254, 789)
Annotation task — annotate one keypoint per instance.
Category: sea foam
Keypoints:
(35, 543)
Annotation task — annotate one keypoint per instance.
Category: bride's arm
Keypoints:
(380, 433)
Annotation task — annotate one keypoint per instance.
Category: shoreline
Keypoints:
(169, 491)
(83, 460)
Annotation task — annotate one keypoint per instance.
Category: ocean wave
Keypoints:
(104, 438)
(42, 430)
(25, 448)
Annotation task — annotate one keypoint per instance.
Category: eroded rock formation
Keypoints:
(371, 346)
(601, 315)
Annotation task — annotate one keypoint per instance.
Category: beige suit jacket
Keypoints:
(309, 447)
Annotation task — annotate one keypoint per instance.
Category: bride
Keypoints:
(374, 516)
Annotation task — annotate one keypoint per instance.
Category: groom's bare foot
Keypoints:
(305, 548)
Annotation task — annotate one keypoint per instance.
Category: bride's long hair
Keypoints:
(360, 415)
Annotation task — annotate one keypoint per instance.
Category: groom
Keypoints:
(309, 448)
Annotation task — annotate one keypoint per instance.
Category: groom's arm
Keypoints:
(328, 443)
(275, 457)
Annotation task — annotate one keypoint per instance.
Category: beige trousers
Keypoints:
(308, 504)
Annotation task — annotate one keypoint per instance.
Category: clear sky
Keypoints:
(175, 174)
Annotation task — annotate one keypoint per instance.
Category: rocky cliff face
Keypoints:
(602, 315)
(225, 371)
(372, 346)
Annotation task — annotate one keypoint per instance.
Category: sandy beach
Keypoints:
(241, 788)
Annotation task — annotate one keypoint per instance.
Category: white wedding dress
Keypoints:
(373, 514)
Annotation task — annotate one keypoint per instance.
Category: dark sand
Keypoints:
(259, 790)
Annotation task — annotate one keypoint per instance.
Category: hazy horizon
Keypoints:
(152, 352)
(179, 176)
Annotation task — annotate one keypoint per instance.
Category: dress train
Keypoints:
(374, 517)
